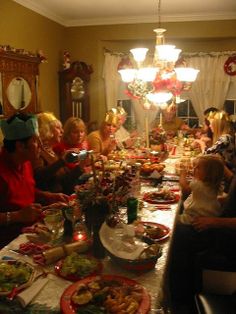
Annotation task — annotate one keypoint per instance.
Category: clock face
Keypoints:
(77, 89)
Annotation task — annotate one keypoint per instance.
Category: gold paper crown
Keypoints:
(112, 117)
(218, 115)
(121, 110)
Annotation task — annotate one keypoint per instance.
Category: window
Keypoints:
(186, 112)
(127, 105)
(230, 106)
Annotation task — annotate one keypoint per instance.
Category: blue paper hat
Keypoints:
(18, 129)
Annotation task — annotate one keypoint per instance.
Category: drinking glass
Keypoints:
(54, 221)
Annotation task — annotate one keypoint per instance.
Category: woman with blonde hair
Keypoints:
(102, 141)
(74, 138)
(50, 170)
(223, 139)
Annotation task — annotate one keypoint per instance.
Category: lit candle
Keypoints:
(79, 236)
(147, 131)
(160, 118)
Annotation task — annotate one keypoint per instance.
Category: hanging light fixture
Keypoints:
(161, 81)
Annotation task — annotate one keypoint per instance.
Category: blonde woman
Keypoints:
(223, 140)
(203, 189)
(74, 138)
(50, 170)
(102, 141)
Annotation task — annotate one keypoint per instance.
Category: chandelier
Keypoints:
(162, 80)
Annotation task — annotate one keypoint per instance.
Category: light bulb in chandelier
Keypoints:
(159, 81)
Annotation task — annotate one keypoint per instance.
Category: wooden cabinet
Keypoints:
(19, 75)
(73, 88)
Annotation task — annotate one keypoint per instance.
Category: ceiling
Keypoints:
(105, 12)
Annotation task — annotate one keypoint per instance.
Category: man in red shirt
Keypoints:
(20, 201)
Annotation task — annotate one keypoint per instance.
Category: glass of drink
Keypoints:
(54, 221)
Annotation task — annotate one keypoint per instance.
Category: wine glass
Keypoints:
(54, 221)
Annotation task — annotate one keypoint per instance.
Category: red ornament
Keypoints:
(230, 66)
(125, 63)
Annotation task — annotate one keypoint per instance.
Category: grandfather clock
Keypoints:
(73, 88)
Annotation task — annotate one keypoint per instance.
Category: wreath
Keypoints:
(230, 66)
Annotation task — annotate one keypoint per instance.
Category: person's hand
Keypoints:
(56, 197)
(103, 157)
(134, 134)
(204, 223)
(130, 142)
(200, 143)
(182, 177)
(29, 214)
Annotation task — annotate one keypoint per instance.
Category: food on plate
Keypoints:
(151, 250)
(107, 296)
(78, 265)
(164, 194)
(148, 168)
(155, 232)
(13, 274)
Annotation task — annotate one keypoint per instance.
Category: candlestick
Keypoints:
(147, 131)
(160, 118)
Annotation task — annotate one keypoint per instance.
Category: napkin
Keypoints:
(155, 175)
(121, 242)
(27, 295)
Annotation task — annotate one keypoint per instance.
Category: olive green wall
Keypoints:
(22, 28)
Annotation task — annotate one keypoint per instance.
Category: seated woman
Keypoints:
(50, 171)
(223, 140)
(74, 138)
(102, 141)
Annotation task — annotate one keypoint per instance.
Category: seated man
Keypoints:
(170, 122)
(19, 199)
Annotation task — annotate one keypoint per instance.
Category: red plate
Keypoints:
(165, 230)
(73, 277)
(147, 197)
(67, 306)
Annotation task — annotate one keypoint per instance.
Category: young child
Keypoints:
(208, 171)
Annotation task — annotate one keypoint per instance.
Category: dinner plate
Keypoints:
(14, 280)
(164, 231)
(68, 307)
(148, 197)
(75, 277)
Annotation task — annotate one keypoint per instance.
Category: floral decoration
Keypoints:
(157, 136)
(230, 66)
(138, 89)
(110, 188)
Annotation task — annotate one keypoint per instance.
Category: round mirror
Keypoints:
(77, 89)
(19, 93)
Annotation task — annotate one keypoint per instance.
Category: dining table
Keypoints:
(47, 299)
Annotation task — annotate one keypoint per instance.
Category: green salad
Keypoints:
(78, 265)
(13, 275)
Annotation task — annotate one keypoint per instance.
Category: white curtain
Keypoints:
(111, 79)
(212, 84)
